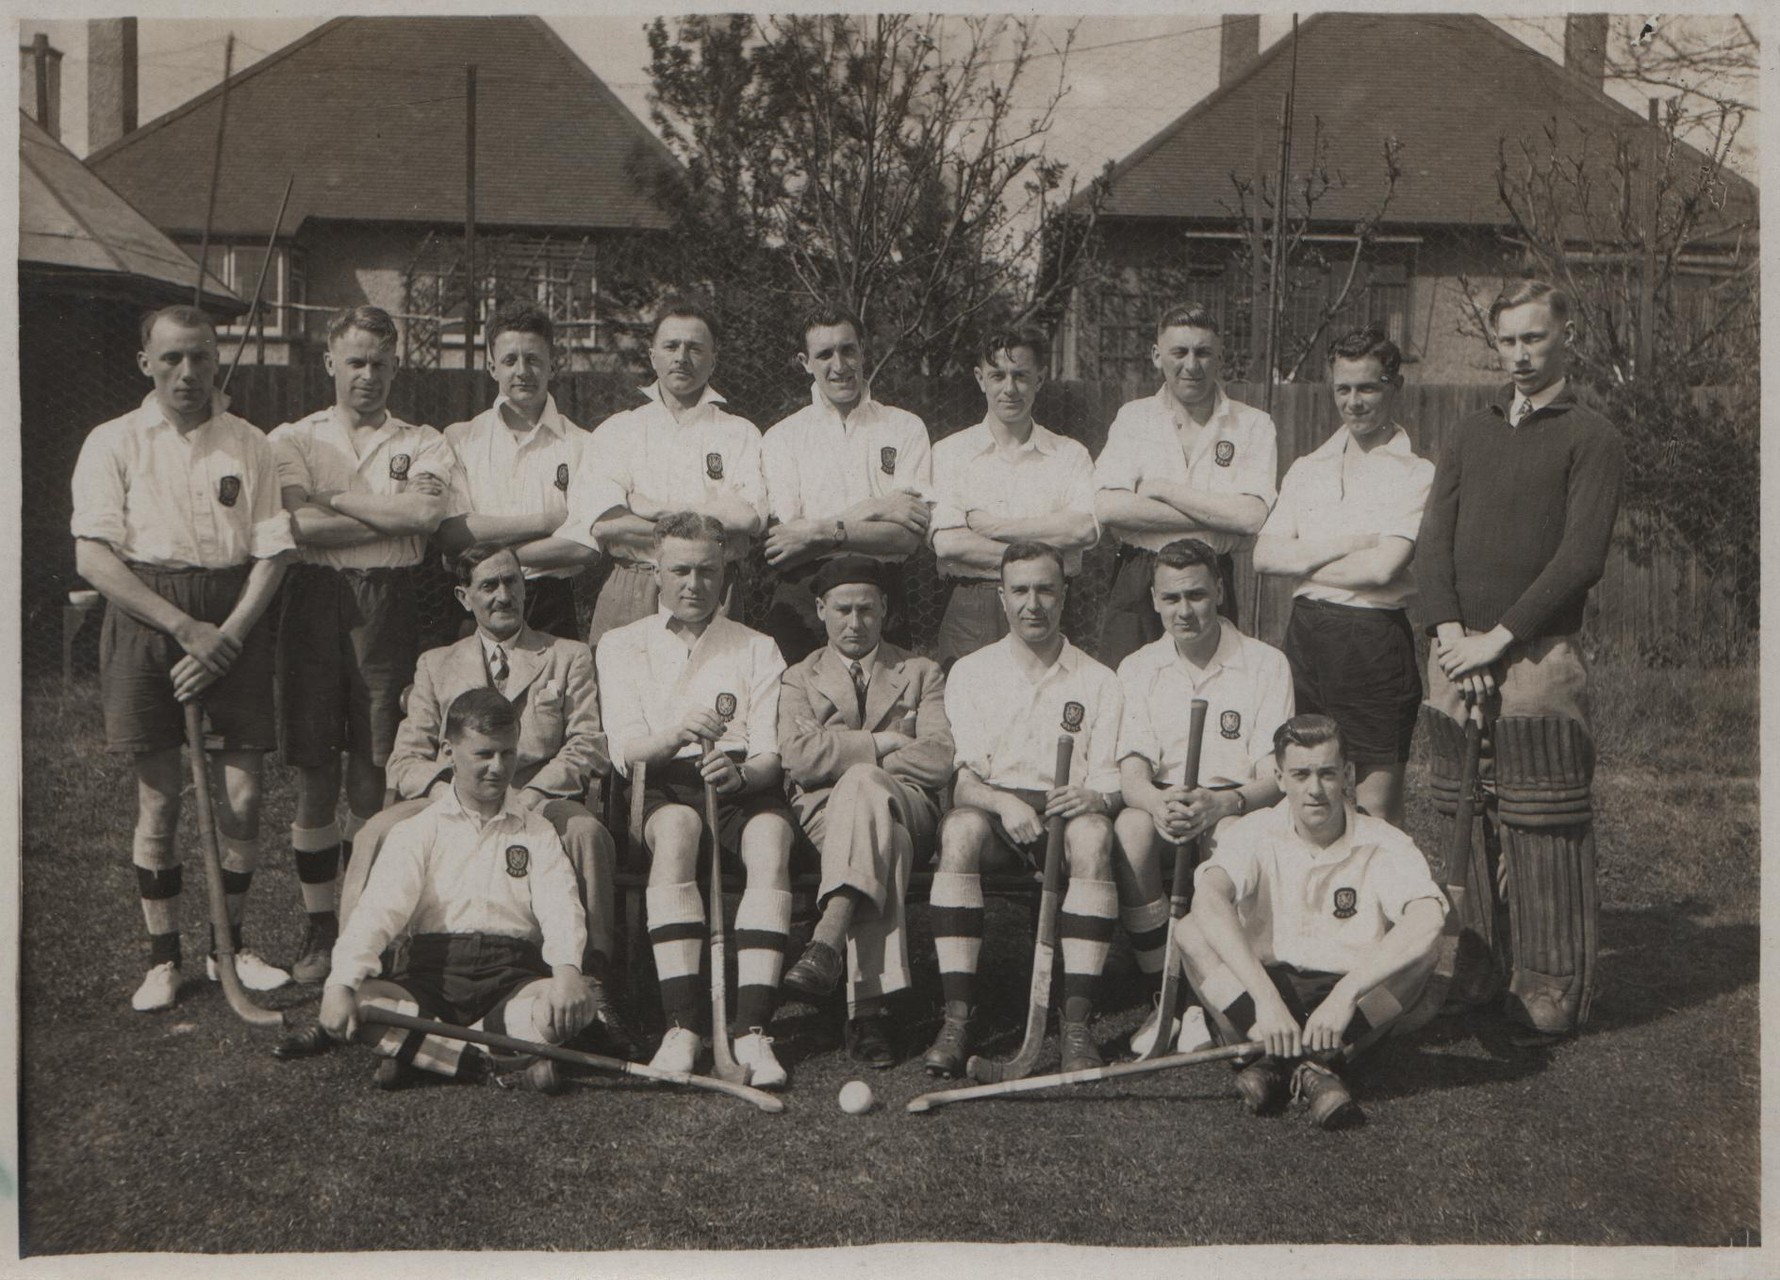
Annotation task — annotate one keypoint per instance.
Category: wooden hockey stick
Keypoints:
(1030, 1084)
(722, 1053)
(1186, 857)
(1458, 864)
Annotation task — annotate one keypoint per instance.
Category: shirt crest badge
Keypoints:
(398, 466)
(562, 476)
(228, 490)
(1072, 716)
(1346, 900)
(1225, 453)
(1230, 724)
(887, 460)
(519, 860)
(714, 465)
(726, 706)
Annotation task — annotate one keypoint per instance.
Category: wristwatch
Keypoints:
(1241, 801)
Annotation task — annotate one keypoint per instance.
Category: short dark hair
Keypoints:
(830, 315)
(1522, 292)
(999, 340)
(481, 709)
(181, 314)
(1018, 551)
(464, 563)
(1187, 315)
(1307, 730)
(683, 306)
(521, 317)
(373, 320)
(1184, 553)
(692, 526)
(1369, 343)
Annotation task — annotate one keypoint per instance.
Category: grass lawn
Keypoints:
(179, 1131)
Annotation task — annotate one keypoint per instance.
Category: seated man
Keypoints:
(550, 683)
(1006, 704)
(1313, 930)
(694, 697)
(863, 729)
(481, 886)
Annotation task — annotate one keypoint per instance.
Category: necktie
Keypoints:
(497, 666)
(1521, 411)
(859, 686)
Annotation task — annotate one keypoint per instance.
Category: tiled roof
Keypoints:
(71, 223)
(368, 113)
(1449, 87)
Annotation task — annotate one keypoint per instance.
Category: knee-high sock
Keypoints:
(677, 936)
(1147, 926)
(159, 879)
(956, 900)
(317, 851)
(239, 858)
(430, 1053)
(762, 923)
(1085, 923)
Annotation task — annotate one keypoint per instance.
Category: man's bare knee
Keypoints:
(672, 835)
(1087, 844)
(963, 835)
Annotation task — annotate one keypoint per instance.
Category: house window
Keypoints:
(238, 266)
(559, 276)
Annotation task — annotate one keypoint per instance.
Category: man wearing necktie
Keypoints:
(867, 747)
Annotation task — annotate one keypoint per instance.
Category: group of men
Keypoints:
(483, 895)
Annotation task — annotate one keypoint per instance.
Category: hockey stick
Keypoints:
(1458, 864)
(723, 1056)
(211, 856)
(372, 1013)
(1167, 1062)
(989, 1070)
(1186, 857)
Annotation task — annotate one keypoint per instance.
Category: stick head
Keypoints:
(919, 1106)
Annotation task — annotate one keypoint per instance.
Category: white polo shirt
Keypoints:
(707, 453)
(1320, 909)
(446, 870)
(1247, 687)
(1048, 473)
(649, 680)
(509, 473)
(317, 455)
(817, 466)
(1336, 490)
(206, 500)
(1006, 718)
(1235, 452)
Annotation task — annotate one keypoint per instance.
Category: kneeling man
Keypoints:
(480, 886)
(1313, 929)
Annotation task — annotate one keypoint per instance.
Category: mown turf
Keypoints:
(178, 1131)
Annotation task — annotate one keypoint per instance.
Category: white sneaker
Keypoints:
(158, 989)
(680, 1051)
(255, 973)
(755, 1051)
(1194, 1034)
(1144, 1036)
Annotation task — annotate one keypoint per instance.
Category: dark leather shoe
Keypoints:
(306, 1043)
(1331, 1105)
(951, 1047)
(1080, 1053)
(868, 1041)
(540, 1077)
(817, 973)
(1264, 1084)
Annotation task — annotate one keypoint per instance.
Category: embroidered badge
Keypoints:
(519, 860)
(562, 476)
(726, 706)
(887, 460)
(228, 490)
(1230, 724)
(1072, 716)
(398, 466)
(1345, 902)
(1226, 453)
(714, 465)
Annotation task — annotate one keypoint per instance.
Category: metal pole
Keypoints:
(222, 120)
(470, 298)
(253, 308)
(1647, 277)
(1281, 212)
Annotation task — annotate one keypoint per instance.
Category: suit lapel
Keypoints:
(833, 680)
(463, 669)
(525, 661)
(887, 683)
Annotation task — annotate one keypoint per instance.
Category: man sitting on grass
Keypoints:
(1313, 929)
(480, 886)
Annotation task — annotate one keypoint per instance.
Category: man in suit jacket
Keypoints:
(561, 745)
(866, 745)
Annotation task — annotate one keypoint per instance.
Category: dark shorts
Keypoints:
(347, 643)
(464, 978)
(135, 662)
(679, 782)
(791, 617)
(974, 619)
(1131, 619)
(1358, 667)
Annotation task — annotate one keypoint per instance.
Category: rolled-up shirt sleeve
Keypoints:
(1102, 773)
(749, 482)
(390, 895)
(1236, 857)
(271, 534)
(100, 492)
(763, 698)
(620, 663)
(948, 509)
(778, 460)
(602, 482)
(293, 466)
(1137, 729)
(1078, 490)
(556, 898)
(1120, 465)
(1406, 520)
(971, 743)
(1259, 463)
(1401, 877)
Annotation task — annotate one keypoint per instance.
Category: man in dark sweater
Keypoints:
(1515, 532)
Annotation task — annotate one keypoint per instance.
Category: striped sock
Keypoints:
(1147, 927)
(677, 936)
(430, 1053)
(317, 853)
(239, 858)
(1085, 923)
(956, 906)
(762, 924)
(158, 882)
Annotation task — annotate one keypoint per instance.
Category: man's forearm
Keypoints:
(458, 532)
(1217, 919)
(1125, 512)
(554, 553)
(1403, 946)
(1065, 530)
(314, 526)
(967, 549)
(112, 578)
(1226, 512)
(256, 596)
(395, 515)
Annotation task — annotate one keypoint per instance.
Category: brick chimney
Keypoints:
(1239, 44)
(1585, 46)
(40, 83)
(111, 80)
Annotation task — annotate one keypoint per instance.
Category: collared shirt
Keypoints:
(1048, 473)
(817, 466)
(1538, 400)
(1320, 909)
(509, 473)
(706, 453)
(447, 870)
(649, 681)
(208, 499)
(1235, 452)
(1005, 724)
(489, 645)
(1247, 687)
(1337, 490)
(317, 454)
